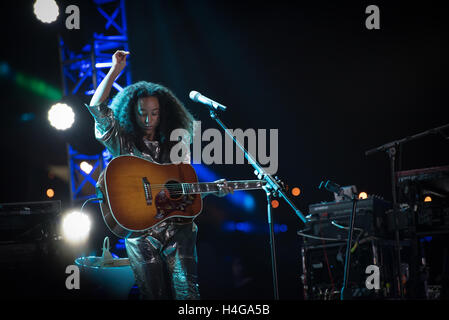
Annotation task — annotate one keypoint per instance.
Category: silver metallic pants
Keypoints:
(164, 262)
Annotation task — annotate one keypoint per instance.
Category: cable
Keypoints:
(300, 233)
(89, 200)
(317, 238)
(343, 227)
(327, 261)
(356, 242)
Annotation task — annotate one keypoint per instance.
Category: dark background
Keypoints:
(312, 70)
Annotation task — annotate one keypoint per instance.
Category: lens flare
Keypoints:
(50, 193)
(363, 195)
(296, 191)
(76, 227)
(61, 116)
(86, 167)
(46, 11)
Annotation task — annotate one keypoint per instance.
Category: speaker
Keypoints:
(27, 221)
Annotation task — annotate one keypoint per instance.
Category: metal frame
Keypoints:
(82, 72)
(76, 185)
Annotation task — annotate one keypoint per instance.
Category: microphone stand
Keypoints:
(332, 187)
(273, 189)
(348, 246)
(391, 149)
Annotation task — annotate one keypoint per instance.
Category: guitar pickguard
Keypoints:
(166, 205)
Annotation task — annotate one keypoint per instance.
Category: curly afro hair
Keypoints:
(173, 114)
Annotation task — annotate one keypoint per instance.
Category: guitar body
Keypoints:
(139, 194)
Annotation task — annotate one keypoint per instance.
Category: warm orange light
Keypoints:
(50, 193)
(274, 203)
(428, 199)
(363, 195)
(296, 191)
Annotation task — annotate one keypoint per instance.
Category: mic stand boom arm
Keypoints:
(395, 143)
(272, 183)
(272, 188)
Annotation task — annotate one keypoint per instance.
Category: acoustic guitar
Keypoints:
(137, 194)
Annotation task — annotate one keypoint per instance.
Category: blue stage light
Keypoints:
(249, 202)
(4, 69)
(24, 117)
(228, 226)
(239, 198)
(250, 227)
(204, 174)
(120, 245)
(425, 239)
(244, 227)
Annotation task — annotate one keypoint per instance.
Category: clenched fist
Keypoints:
(119, 60)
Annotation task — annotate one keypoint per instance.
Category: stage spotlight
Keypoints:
(274, 204)
(50, 193)
(61, 116)
(428, 199)
(86, 167)
(296, 191)
(46, 10)
(363, 195)
(76, 227)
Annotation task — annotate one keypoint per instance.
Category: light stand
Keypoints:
(391, 149)
(343, 294)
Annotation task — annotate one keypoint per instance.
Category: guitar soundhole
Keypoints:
(174, 189)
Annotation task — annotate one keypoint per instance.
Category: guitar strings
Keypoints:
(174, 186)
(177, 189)
(172, 193)
(189, 188)
(203, 183)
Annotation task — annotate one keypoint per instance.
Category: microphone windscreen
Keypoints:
(332, 186)
(193, 95)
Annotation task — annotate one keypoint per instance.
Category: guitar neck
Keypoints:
(211, 187)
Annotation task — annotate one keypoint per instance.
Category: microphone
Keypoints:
(198, 97)
(340, 192)
(331, 186)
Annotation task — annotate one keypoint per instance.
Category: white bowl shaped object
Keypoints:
(115, 280)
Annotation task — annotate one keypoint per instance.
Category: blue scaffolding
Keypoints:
(82, 72)
(82, 186)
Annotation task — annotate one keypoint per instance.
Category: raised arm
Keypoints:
(104, 89)
(106, 128)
